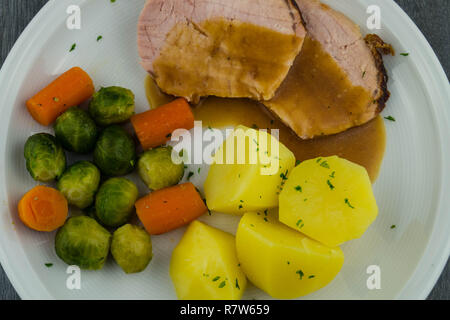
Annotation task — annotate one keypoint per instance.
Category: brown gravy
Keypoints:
(317, 98)
(225, 59)
(364, 145)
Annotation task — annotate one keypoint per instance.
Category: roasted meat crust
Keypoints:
(379, 48)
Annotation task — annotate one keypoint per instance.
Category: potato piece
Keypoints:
(282, 262)
(328, 199)
(254, 180)
(204, 265)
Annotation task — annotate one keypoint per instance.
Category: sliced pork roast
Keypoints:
(338, 81)
(231, 48)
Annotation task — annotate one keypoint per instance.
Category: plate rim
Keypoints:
(8, 66)
(420, 281)
(418, 286)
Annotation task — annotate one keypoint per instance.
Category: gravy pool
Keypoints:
(364, 145)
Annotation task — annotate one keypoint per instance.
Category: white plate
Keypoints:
(412, 190)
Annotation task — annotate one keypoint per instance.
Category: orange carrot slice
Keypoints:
(43, 209)
(170, 208)
(154, 127)
(70, 89)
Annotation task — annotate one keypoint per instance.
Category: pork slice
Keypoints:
(226, 48)
(338, 81)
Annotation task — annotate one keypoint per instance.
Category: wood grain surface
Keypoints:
(431, 16)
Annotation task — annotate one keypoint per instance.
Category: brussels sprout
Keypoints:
(45, 157)
(157, 170)
(79, 183)
(82, 241)
(112, 105)
(115, 200)
(131, 247)
(115, 152)
(76, 130)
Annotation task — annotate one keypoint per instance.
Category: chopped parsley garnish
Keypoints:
(325, 164)
(265, 219)
(298, 223)
(284, 175)
(237, 284)
(300, 273)
(73, 47)
(222, 284)
(112, 1)
(405, 54)
(190, 175)
(311, 276)
(49, 265)
(297, 162)
(364, 74)
(332, 174)
(318, 160)
(347, 202)
(298, 188)
(199, 169)
(215, 279)
(393, 226)
(254, 126)
(99, 38)
(288, 262)
(330, 184)
(169, 136)
(390, 118)
(240, 206)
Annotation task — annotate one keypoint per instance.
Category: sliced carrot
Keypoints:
(170, 208)
(154, 127)
(43, 209)
(70, 89)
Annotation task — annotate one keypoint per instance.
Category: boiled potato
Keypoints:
(281, 261)
(254, 180)
(328, 199)
(204, 265)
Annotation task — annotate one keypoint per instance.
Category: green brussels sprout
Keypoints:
(76, 130)
(157, 170)
(45, 157)
(131, 247)
(82, 241)
(79, 183)
(115, 152)
(112, 105)
(115, 200)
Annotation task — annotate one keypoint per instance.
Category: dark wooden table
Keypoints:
(431, 16)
